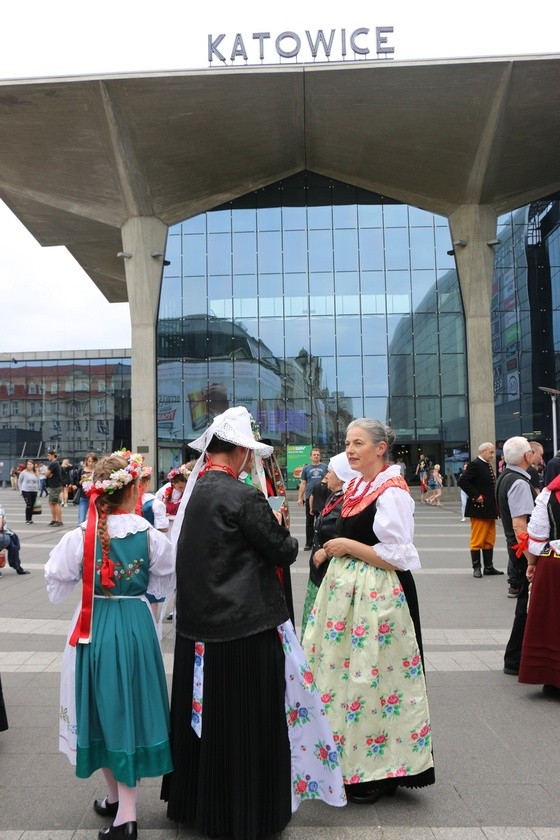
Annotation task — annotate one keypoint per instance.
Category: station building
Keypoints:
(317, 243)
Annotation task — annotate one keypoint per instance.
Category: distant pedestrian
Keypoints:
(479, 483)
(311, 475)
(42, 472)
(422, 470)
(54, 486)
(84, 474)
(28, 483)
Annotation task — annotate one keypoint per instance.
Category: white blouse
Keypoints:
(63, 569)
(394, 522)
(539, 524)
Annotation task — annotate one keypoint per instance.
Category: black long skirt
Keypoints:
(3, 716)
(236, 778)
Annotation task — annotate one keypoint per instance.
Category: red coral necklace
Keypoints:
(351, 501)
(210, 465)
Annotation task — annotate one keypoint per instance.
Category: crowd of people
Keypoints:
(340, 714)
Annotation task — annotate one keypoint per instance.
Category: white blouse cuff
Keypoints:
(403, 556)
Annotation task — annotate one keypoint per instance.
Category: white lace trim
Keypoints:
(391, 472)
(121, 524)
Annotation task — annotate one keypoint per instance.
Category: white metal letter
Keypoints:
(238, 48)
(381, 40)
(260, 36)
(288, 53)
(353, 44)
(212, 47)
(320, 39)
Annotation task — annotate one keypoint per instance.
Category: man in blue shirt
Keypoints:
(311, 475)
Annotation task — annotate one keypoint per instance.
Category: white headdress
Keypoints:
(233, 426)
(341, 468)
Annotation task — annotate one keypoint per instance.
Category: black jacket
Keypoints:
(227, 553)
(478, 479)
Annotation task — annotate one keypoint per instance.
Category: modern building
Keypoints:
(318, 242)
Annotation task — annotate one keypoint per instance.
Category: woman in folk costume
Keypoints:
(363, 638)
(250, 737)
(540, 654)
(114, 704)
(338, 475)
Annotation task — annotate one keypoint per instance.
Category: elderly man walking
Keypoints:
(516, 500)
(479, 483)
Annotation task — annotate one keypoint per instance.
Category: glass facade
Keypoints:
(526, 320)
(313, 302)
(72, 405)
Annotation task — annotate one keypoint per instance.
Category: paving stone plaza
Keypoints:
(496, 742)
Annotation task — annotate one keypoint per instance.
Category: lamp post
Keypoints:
(554, 393)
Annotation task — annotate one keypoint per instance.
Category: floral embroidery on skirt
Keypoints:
(361, 646)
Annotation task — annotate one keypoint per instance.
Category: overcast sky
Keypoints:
(48, 302)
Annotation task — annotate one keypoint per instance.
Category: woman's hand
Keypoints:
(337, 547)
(530, 573)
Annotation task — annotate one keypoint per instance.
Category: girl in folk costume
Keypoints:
(148, 505)
(363, 638)
(114, 705)
(172, 492)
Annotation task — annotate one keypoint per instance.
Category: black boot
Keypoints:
(488, 557)
(475, 557)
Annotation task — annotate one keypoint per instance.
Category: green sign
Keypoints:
(296, 458)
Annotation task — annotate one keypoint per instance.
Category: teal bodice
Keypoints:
(131, 558)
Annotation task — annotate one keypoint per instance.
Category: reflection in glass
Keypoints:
(312, 302)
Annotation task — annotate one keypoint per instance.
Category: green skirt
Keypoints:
(310, 596)
(121, 695)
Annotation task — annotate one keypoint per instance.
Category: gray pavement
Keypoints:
(496, 742)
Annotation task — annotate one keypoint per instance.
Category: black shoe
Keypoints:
(307, 548)
(511, 672)
(512, 592)
(477, 573)
(551, 691)
(104, 808)
(125, 831)
(21, 571)
(52, 522)
(491, 570)
(368, 796)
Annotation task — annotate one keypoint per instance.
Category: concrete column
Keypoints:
(142, 237)
(472, 228)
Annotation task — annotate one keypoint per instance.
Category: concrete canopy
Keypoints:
(80, 156)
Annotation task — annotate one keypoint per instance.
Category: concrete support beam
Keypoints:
(473, 227)
(144, 238)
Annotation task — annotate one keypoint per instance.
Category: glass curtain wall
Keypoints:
(312, 302)
(526, 321)
(70, 405)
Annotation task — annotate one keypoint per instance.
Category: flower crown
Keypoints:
(181, 471)
(120, 478)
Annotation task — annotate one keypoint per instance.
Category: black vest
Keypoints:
(506, 480)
